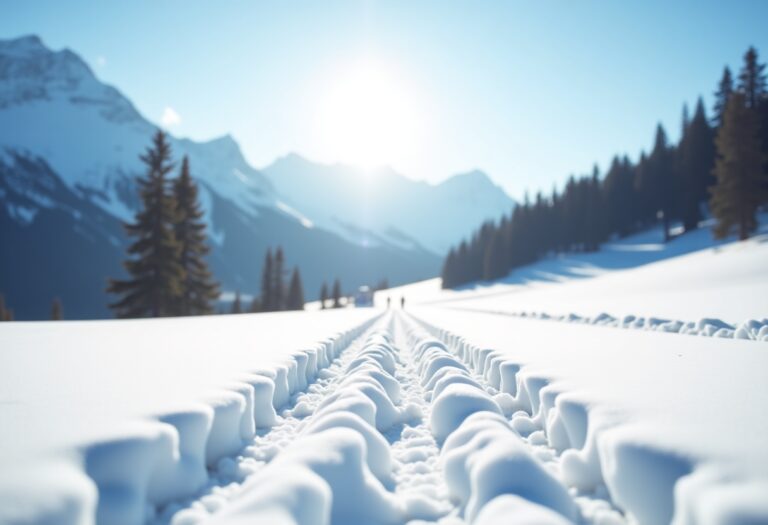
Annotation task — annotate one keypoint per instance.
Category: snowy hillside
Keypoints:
(382, 204)
(636, 280)
(86, 137)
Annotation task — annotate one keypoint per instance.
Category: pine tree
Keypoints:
(323, 295)
(267, 299)
(336, 294)
(255, 305)
(695, 160)
(752, 79)
(295, 292)
(752, 83)
(199, 290)
(237, 305)
(739, 170)
(657, 183)
(723, 93)
(278, 280)
(449, 270)
(57, 312)
(3, 308)
(155, 275)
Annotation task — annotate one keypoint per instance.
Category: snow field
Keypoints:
(132, 468)
(616, 462)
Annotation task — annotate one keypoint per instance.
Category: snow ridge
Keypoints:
(750, 329)
(168, 459)
(613, 477)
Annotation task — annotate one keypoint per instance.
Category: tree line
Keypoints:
(722, 162)
(335, 296)
(275, 295)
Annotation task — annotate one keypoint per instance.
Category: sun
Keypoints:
(369, 116)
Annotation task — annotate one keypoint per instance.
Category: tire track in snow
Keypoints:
(396, 430)
(524, 416)
(227, 478)
(414, 447)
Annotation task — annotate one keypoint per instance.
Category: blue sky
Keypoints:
(528, 91)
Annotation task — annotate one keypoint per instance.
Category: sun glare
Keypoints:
(369, 117)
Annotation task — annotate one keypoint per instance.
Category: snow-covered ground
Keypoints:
(460, 409)
(121, 399)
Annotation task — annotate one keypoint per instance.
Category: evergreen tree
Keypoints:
(267, 297)
(619, 196)
(752, 79)
(723, 93)
(3, 308)
(336, 294)
(657, 183)
(695, 160)
(237, 306)
(448, 273)
(739, 170)
(278, 280)
(57, 312)
(323, 295)
(752, 83)
(295, 291)
(199, 290)
(493, 263)
(255, 305)
(155, 278)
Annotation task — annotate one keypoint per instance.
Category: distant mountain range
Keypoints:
(356, 204)
(69, 153)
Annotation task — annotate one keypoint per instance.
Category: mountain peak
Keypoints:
(22, 45)
(474, 177)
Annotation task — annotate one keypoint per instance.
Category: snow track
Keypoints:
(749, 330)
(147, 472)
(399, 428)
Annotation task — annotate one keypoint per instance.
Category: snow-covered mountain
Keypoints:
(356, 203)
(52, 105)
(69, 151)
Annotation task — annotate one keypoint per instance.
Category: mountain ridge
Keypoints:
(84, 137)
(433, 215)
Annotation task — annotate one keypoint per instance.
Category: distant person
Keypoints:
(388, 301)
(402, 302)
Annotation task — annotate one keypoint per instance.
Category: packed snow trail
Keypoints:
(396, 430)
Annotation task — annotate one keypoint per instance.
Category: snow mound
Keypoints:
(498, 511)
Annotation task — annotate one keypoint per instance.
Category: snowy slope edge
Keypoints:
(121, 479)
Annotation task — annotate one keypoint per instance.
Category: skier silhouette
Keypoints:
(388, 300)
(402, 302)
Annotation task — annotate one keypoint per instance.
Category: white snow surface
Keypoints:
(119, 399)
